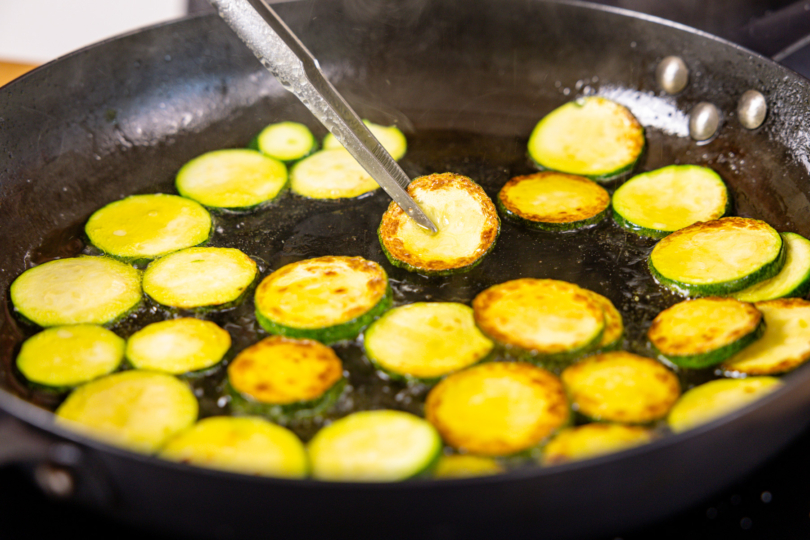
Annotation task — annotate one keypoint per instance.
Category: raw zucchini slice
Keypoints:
(621, 387)
(467, 220)
(541, 318)
(234, 179)
(66, 356)
(143, 227)
(426, 340)
(245, 445)
(328, 298)
(591, 440)
(178, 346)
(660, 202)
(792, 281)
(592, 137)
(466, 466)
(717, 257)
(200, 277)
(785, 344)
(285, 378)
(374, 446)
(717, 398)
(330, 174)
(553, 201)
(701, 333)
(286, 141)
(138, 410)
(390, 137)
(497, 408)
(614, 326)
(94, 290)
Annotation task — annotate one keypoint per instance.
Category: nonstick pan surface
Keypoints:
(467, 80)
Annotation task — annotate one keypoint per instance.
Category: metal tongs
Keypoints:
(280, 51)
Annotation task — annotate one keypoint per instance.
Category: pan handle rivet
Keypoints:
(672, 74)
(704, 119)
(752, 109)
(55, 481)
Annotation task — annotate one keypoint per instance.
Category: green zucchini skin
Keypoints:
(610, 178)
(717, 356)
(332, 334)
(782, 286)
(285, 414)
(553, 227)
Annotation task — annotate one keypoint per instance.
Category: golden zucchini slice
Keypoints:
(544, 318)
(138, 410)
(621, 387)
(330, 174)
(554, 201)
(327, 298)
(784, 346)
(143, 227)
(717, 398)
(96, 290)
(244, 445)
(659, 202)
(285, 378)
(497, 408)
(704, 332)
(792, 281)
(592, 137)
(178, 346)
(202, 277)
(467, 220)
(466, 466)
(426, 340)
(717, 257)
(614, 325)
(390, 137)
(591, 440)
(66, 356)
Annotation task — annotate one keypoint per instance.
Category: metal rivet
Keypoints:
(752, 109)
(704, 119)
(55, 481)
(672, 74)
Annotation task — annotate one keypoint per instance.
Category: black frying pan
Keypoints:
(121, 117)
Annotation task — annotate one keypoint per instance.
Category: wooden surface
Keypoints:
(10, 71)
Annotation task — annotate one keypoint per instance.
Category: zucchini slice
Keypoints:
(426, 340)
(138, 410)
(592, 137)
(285, 378)
(553, 201)
(374, 446)
(497, 408)
(233, 179)
(614, 326)
(143, 227)
(202, 277)
(327, 298)
(700, 333)
(390, 137)
(660, 202)
(466, 466)
(66, 356)
(719, 257)
(621, 387)
(95, 290)
(792, 281)
(785, 344)
(330, 174)
(244, 445)
(286, 141)
(717, 398)
(467, 220)
(541, 318)
(178, 346)
(591, 440)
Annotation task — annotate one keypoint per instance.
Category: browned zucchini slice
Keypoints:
(614, 325)
(497, 408)
(466, 466)
(467, 220)
(591, 440)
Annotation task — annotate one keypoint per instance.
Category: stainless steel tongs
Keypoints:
(280, 51)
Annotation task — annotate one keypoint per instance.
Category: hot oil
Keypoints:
(605, 259)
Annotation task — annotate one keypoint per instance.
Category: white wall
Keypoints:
(36, 31)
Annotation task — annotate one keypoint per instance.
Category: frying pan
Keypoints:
(121, 117)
